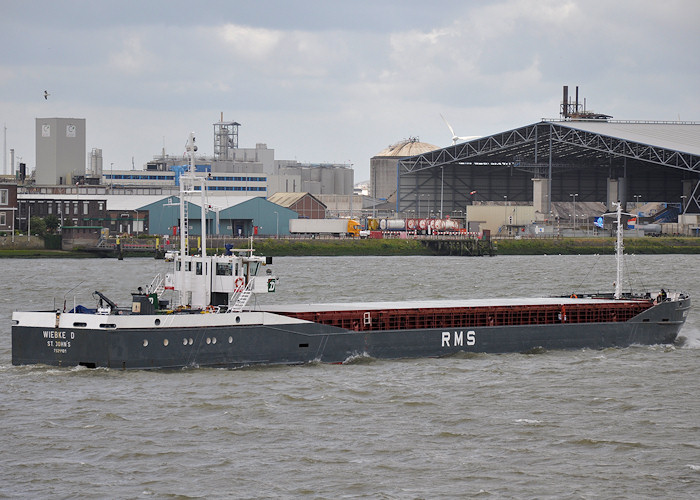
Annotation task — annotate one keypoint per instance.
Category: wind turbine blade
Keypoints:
(448, 126)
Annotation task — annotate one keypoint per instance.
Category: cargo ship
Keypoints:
(210, 324)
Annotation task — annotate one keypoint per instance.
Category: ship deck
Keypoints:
(468, 313)
(439, 304)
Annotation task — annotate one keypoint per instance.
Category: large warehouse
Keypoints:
(593, 160)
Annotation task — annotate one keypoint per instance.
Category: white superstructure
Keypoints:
(224, 282)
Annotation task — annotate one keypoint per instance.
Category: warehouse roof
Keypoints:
(289, 199)
(670, 144)
(679, 136)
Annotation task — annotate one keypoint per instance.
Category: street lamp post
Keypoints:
(442, 188)
(574, 197)
(505, 211)
(636, 200)
(466, 207)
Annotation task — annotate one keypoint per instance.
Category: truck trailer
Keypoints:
(330, 227)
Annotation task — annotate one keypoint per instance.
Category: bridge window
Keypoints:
(223, 269)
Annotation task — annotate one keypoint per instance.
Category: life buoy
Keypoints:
(239, 282)
(573, 296)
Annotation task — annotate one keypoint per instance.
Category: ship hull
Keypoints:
(255, 338)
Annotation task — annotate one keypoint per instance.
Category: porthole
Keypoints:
(145, 343)
(208, 340)
(184, 341)
(230, 340)
(165, 342)
(191, 341)
(213, 340)
(238, 319)
(157, 322)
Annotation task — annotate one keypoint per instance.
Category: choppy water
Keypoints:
(622, 423)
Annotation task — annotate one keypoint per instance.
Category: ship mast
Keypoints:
(186, 187)
(619, 249)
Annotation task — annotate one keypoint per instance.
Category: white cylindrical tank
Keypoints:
(391, 224)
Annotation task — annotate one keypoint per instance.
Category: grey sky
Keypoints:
(335, 81)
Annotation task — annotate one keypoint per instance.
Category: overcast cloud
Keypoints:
(335, 81)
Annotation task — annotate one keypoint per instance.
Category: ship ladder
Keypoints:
(157, 286)
(242, 299)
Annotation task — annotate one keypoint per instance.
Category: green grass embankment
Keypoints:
(333, 247)
(329, 247)
(37, 253)
(579, 246)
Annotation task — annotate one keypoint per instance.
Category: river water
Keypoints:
(622, 423)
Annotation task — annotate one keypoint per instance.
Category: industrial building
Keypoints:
(304, 204)
(60, 150)
(328, 179)
(226, 216)
(382, 166)
(8, 204)
(581, 157)
(244, 171)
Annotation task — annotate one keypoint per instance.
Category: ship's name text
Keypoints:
(456, 339)
(59, 341)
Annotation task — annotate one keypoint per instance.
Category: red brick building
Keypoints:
(305, 204)
(8, 207)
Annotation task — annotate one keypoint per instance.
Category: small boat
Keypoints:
(210, 324)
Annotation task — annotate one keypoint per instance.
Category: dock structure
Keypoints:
(462, 247)
(437, 245)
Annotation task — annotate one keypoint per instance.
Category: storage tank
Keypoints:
(451, 225)
(95, 167)
(327, 180)
(437, 224)
(338, 182)
(392, 224)
(349, 181)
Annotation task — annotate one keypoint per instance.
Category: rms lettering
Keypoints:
(458, 339)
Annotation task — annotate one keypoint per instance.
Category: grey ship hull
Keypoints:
(207, 340)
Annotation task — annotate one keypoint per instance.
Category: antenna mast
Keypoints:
(619, 247)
